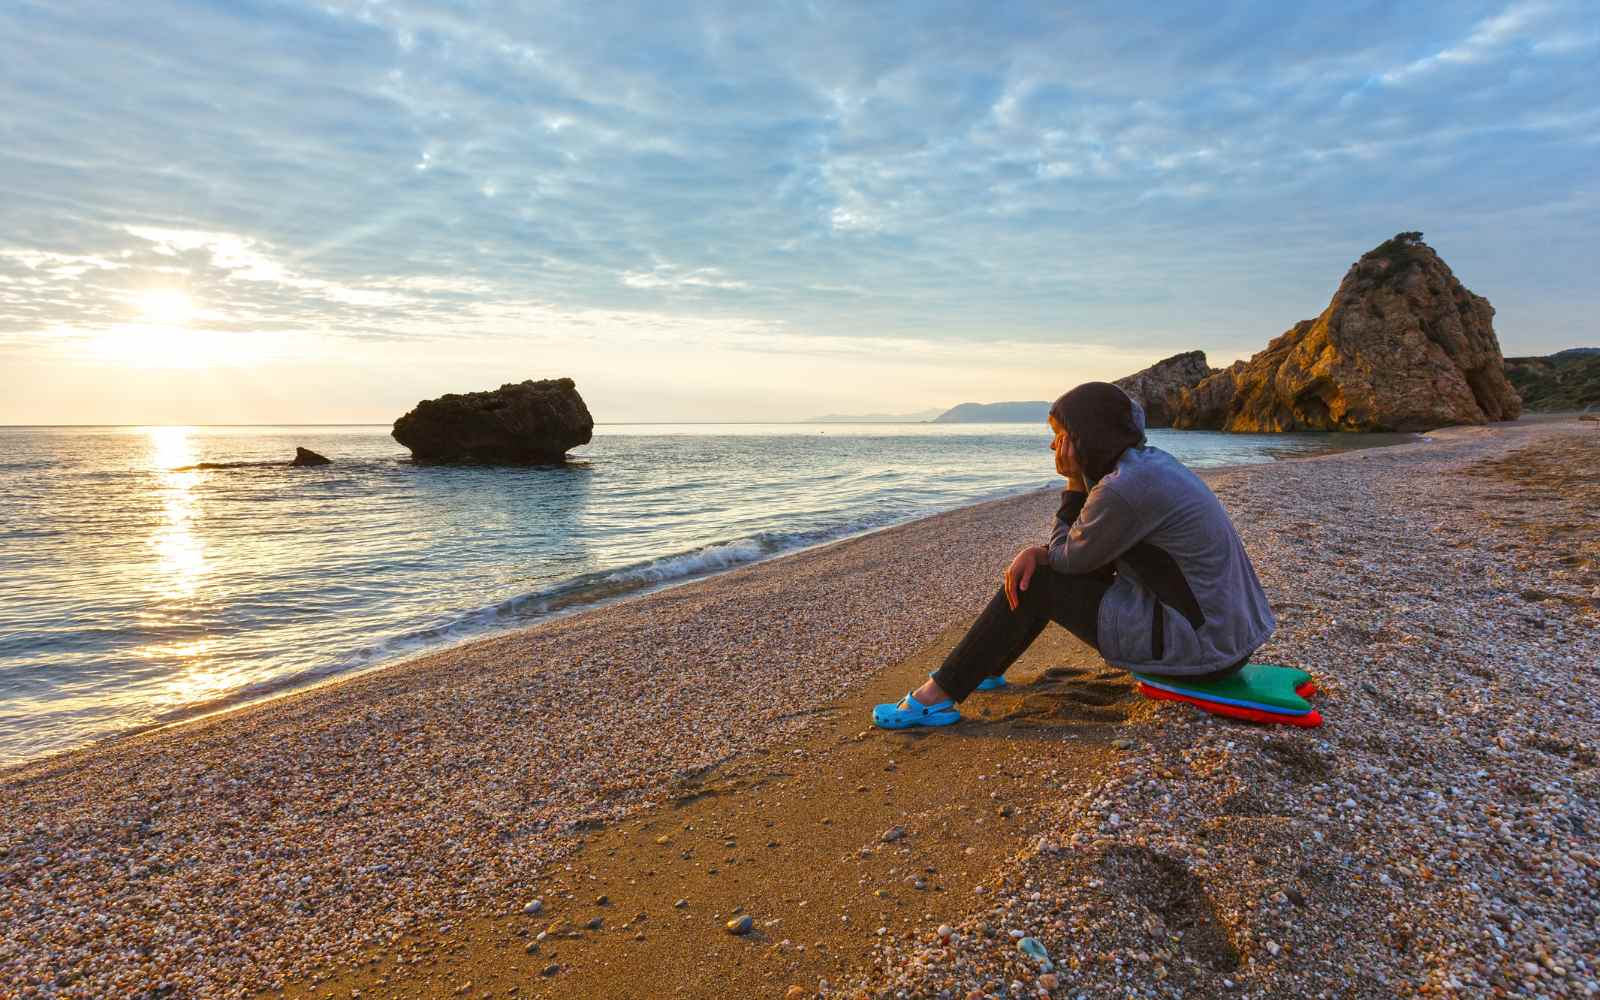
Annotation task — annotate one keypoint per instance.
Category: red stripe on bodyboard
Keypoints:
(1307, 721)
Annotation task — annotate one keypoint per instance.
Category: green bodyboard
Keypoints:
(1256, 685)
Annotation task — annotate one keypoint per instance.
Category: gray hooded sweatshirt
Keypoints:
(1186, 599)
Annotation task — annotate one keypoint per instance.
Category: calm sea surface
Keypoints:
(138, 589)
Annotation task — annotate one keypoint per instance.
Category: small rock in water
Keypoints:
(305, 456)
(596, 923)
(740, 925)
(534, 906)
(552, 969)
(602, 900)
(680, 904)
(893, 834)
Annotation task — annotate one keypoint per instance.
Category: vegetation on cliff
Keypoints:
(1566, 380)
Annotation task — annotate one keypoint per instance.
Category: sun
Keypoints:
(165, 335)
(166, 306)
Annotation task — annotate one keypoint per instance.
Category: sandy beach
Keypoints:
(385, 836)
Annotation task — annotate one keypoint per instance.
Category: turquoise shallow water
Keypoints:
(138, 587)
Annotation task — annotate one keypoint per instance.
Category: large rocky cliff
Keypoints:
(1160, 388)
(1403, 346)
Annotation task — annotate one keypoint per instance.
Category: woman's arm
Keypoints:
(1106, 526)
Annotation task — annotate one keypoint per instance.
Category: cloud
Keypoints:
(348, 172)
(1488, 37)
(667, 276)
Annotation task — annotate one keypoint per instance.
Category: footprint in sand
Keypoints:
(1166, 886)
(1073, 694)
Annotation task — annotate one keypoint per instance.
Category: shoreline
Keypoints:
(451, 786)
(268, 691)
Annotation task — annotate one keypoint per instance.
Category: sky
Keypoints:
(265, 212)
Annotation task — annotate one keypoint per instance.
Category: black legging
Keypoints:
(1000, 635)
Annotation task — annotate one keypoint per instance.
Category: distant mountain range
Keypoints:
(1565, 380)
(919, 417)
(1031, 411)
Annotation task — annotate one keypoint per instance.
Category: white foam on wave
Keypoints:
(694, 562)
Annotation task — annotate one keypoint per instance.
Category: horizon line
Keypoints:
(598, 423)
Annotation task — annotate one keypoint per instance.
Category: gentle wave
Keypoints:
(569, 597)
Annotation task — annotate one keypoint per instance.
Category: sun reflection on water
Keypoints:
(181, 564)
(182, 553)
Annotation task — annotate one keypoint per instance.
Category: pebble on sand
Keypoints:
(740, 925)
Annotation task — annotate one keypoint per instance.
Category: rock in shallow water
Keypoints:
(305, 456)
(519, 424)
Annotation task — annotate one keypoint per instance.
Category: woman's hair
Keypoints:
(1103, 422)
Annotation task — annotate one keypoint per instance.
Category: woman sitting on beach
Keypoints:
(1143, 565)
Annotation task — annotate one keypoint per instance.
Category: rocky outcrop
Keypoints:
(305, 456)
(1159, 388)
(522, 423)
(1403, 346)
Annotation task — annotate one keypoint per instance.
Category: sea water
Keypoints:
(149, 573)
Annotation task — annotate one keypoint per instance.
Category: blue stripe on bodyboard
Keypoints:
(1239, 702)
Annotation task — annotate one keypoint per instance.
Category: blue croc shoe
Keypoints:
(911, 712)
(994, 683)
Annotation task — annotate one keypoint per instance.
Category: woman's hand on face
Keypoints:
(1066, 457)
(1020, 572)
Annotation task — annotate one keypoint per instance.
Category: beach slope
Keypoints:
(1437, 836)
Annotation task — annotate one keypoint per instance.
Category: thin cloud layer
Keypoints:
(1099, 182)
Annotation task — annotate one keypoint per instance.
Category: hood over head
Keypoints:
(1103, 422)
